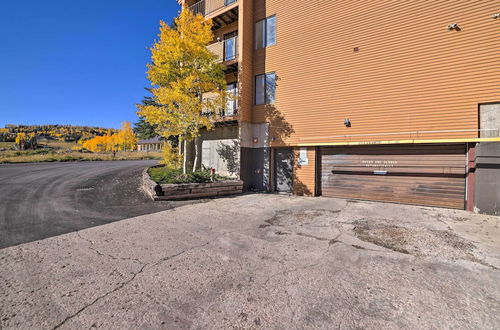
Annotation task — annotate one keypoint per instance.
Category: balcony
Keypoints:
(225, 50)
(230, 109)
(207, 7)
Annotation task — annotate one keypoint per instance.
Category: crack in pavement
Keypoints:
(99, 298)
(105, 255)
(144, 265)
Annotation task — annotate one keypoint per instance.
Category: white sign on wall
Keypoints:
(303, 160)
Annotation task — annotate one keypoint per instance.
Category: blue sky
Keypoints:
(76, 62)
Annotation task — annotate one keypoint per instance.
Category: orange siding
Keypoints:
(410, 73)
(304, 175)
(245, 51)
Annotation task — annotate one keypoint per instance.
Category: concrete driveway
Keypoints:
(262, 261)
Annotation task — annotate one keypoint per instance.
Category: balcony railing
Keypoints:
(231, 105)
(205, 7)
(226, 50)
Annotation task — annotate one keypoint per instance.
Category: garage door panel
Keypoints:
(434, 177)
(391, 193)
(391, 188)
(398, 171)
(410, 153)
(418, 186)
(395, 179)
(445, 202)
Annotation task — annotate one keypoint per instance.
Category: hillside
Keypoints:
(64, 133)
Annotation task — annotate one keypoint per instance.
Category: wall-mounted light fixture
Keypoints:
(495, 16)
(452, 26)
(347, 122)
(255, 140)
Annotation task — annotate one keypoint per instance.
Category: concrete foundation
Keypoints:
(220, 149)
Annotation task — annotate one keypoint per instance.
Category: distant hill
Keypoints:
(66, 133)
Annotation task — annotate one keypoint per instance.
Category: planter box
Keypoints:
(189, 190)
(197, 190)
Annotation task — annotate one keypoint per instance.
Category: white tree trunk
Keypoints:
(196, 152)
(184, 164)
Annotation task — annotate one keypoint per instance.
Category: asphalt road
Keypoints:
(47, 199)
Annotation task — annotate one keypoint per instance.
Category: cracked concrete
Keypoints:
(261, 261)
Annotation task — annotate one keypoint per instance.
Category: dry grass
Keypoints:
(6, 145)
(32, 157)
(59, 151)
(59, 144)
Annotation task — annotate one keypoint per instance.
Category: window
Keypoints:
(265, 32)
(232, 100)
(230, 46)
(265, 88)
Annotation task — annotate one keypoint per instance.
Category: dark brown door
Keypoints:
(431, 175)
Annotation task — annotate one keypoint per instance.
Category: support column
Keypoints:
(470, 176)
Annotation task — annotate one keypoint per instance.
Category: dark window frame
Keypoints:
(229, 36)
(266, 94)
(264, 30)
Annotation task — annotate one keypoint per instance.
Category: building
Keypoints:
(153, 144)
(375, 100)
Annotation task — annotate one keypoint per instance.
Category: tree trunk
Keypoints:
(196, 152)
(184, 163)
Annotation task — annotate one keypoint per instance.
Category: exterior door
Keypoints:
(432, 175)
(283, 169)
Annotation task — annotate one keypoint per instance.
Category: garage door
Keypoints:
(431, 175)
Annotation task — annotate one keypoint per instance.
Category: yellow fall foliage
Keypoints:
(181, 72)
(171, 159)
(124, 140)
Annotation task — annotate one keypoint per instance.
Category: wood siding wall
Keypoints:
(304, 175)
(245, 51)
(410, 73)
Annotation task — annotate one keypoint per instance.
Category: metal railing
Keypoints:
(229, 109)
(226, 50)
(205, 7)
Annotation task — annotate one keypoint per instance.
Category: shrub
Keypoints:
(164, 174)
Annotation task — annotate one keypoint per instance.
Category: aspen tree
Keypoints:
(182, 72)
